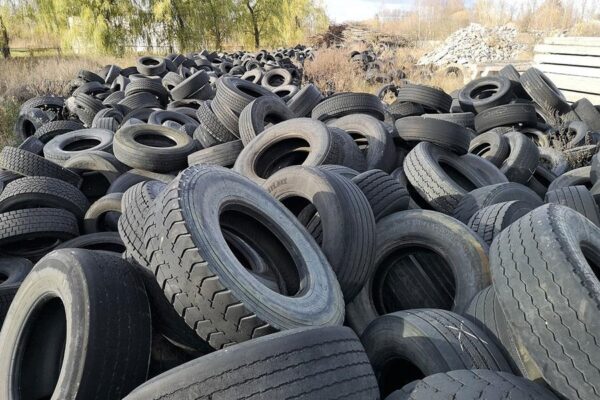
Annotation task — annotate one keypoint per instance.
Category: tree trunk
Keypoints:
(4, 40)
(255, 29)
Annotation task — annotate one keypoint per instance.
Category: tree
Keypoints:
(4, 39)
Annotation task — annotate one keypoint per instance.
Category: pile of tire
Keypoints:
(214, 240)
(377, 69)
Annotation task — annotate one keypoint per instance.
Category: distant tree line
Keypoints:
(113, 26)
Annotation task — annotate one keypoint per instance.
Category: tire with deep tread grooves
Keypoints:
(577, 198)
(385, 194)
(489, 221)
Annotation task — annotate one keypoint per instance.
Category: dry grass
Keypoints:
(332, 71)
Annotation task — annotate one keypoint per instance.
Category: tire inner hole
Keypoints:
(482, 149)
(83, 144)
(155, 140)
(396, 373)
(484, 92)
(41, 349)
(457, 176)
(280, 155)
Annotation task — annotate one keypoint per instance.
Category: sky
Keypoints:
(356, 10)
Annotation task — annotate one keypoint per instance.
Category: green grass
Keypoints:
(9, 111)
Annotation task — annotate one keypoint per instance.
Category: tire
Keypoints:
(32, 145)
(544, 92)
(347, 225)
(324, 363)
(100, 241)
(280, 145)
(54, 128)
(522, 160)
(89, 298)
(574, 177)
(236, 94)
(37, 230)
(211, 131)
(275, 78)
(28, 164)
(188, 87)
(224, 154)
(305, 101)
(86, 108)
(143, 147)
(483, 93)
(441, 177)
(343, 104)
(43, 192)
(154, 87)
(346, 172)
(553, 160)
(384, 193)
(491, 146)
(486, 313)
(466, 119)
(12, 272)
(133, 176)
(225, 292)
(506, 115)
(540, 264)
(259, 114)
(442, 133)
(588, 113)
(151, 66)
(423, 259)
(408, 345)
(286, 92)
(98, 170)
(29, 122)
(95, 219)
(577, 198)
(352, 156)
(71, 144)
(595, 169)
(541, 179)
(473, 385)
(494, 194)
(161, 116)
(138, 101)
(378, 149)
(489, 221)
(431, 99)
(405, 109)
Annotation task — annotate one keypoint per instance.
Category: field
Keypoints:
(24, 77)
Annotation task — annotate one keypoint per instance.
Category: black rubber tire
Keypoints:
(151, 66)
(485, 312)
(43, 192)
(54, 128)
(577, 198)
(378, 150)
(491, 146)
(489, 221)
(63, 147)
(28, 164)
(352, 156)
(423, 259)
(588, 113)
(86, 108)
(278, 146)
(346, 172)
(574, 177)
(37, 231)
(98, 170)
(347, 225)
(595, 169)
(384, 193)
(473, 385)
(224, 154)
(238, 305)
(138, 101)
(522, 160)
(211, 131)
(506, 115)
(191, 85)
(79, 298)
(494, 194)
(133, 176)
(236, 94)
(483, 93)
(442, 133)
(402, 109)
(12, 272)
(99, 241)
(342, 104)
(323, 363)
(29, 122)
(32, 145)
(442, 178)
(96, 218)
(259, 114)
(159, 117)
(305, 100)
(408, 345)
(540, 265)
(464, 119)
(152, 155)
(152, 86)
(165, 355)
(544, 92)
(432, 99)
